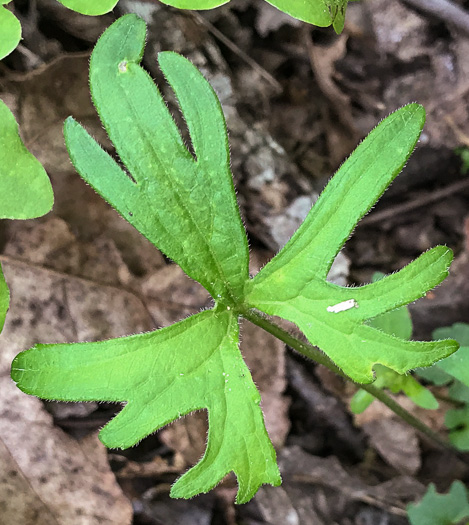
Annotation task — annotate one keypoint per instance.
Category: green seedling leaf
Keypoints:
(397, 323)
(10, 30)
(441, 509)
(25, 189)
(293, 284)
(184, 205)
(387, 378)
(192, 365)
(453, 371)
(90, 7)
(184, 202)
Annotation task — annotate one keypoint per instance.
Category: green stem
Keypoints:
(313, 353)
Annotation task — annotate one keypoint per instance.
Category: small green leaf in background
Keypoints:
(10, 30)
(463, 153)
(293, 284)
(90, 7)
(457, 365)
(457, 421)
(454, 371)
(399, 324)
(441, 509)
(25, 189)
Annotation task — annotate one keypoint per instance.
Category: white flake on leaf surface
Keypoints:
(343, 306)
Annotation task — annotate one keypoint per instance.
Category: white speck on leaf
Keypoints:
(343, 306)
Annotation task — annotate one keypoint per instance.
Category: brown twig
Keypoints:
(398, 209)
(238, 51)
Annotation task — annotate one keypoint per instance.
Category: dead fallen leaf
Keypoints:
(396, 442)
(59, 479)
(317, 491)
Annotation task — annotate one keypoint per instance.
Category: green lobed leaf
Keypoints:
(192, 365)
(172, 198)
(25, 189)
(10, 30)
(440, 509)
(185, 206)
(293, 284)
(90, 7)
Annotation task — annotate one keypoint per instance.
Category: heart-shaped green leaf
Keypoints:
(10, 30)
(25, 189)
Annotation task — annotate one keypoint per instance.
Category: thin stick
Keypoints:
(396, 211)
(237, 50)
(313, 353)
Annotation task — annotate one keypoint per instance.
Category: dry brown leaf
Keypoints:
(58, 480)
(319, 490)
